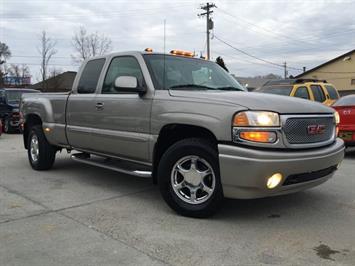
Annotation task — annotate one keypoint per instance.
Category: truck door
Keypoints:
(81, 106)
(122, 119)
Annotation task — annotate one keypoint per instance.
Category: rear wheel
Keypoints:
(188, 178)
(7, 126)
(41, 154)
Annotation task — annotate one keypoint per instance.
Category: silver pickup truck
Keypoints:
(188, 125)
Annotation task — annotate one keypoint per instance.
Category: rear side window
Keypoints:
(302, 92)
(90, 76)
(280, 90)
(332, 92)
(318, 93)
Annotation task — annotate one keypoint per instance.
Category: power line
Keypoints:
(38, 56)
(294, 40)
(270, 32)
(38, 64)
(247, 54)
(113, 13)
(245, 60)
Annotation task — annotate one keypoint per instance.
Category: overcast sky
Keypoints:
(302, 33)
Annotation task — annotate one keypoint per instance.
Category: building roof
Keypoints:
(59, 83)
(326, 63)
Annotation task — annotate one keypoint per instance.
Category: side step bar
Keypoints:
(113, 164)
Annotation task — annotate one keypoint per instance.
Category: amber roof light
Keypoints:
(182, 53)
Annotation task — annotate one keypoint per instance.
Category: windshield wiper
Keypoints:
(229, 88)
(191, 86)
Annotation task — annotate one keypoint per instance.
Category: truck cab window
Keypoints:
(121, 66)
(332, 92)
(90, 76)
(318, 93)
(302, 92)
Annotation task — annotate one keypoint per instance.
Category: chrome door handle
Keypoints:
(99, 106)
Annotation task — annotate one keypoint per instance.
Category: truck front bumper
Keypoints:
(245, 171)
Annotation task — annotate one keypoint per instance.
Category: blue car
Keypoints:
(9, 107)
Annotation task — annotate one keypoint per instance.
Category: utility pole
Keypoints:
(285, 70)
(209, 24)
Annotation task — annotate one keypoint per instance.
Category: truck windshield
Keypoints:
(182, 73)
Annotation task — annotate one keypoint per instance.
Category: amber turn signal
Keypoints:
(258, 136)
(241, 120)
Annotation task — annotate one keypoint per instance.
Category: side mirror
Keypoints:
(2, 100)
(128, 84)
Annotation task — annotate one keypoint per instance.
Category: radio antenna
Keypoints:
(164, 54)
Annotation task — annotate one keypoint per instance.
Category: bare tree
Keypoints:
(20, 73)
(47, 50)
(5, 54)
(87, 45)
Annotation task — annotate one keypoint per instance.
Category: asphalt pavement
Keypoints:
(76, 214)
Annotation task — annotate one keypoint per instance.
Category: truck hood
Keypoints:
(257, 101)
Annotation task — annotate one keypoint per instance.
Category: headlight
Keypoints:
(256, 119)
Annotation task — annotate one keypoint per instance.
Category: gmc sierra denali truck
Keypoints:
(188, 125)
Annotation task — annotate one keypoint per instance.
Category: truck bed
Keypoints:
(50, 107)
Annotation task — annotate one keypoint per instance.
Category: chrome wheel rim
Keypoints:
(193, 179)
(34, 148)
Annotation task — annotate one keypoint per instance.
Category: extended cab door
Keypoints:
(81, 105)
(123, 119)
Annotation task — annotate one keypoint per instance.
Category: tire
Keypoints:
(41, 155)
(181, 155)
(7, 127)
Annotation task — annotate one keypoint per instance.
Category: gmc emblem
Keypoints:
(315, 129)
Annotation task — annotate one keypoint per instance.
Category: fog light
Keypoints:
(338, 165)
(274, 180)
(47, 129)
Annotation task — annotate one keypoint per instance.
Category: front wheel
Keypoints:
(189, 180)
(41, 154)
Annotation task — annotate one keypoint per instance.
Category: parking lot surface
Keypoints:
(76, 214)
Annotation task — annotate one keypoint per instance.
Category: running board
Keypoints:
(120, 166)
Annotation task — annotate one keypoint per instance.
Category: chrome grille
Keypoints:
(296, 129)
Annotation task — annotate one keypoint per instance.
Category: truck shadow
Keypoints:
(295, 205)
(272, 208)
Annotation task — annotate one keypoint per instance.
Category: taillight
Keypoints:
(22, 122)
